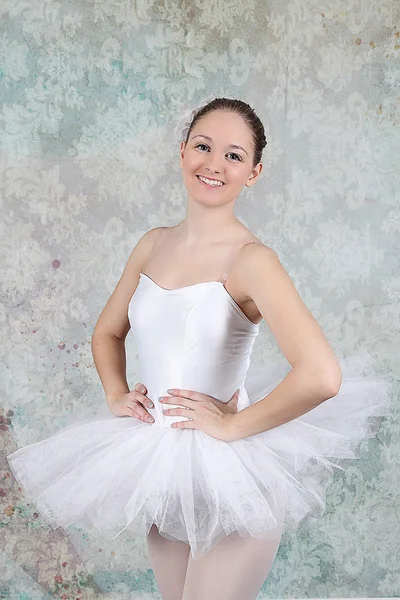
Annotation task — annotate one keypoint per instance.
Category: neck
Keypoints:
(208, 224)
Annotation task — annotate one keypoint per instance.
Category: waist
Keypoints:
(162, 420)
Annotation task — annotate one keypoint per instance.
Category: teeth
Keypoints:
(210, 182)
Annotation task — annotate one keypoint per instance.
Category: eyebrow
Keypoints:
(207, 137)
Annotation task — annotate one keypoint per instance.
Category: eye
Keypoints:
(238, 158)
(205, 145)
(237, 155)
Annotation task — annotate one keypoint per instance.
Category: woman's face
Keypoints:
(212, 152)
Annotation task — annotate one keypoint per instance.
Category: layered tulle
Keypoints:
(109, 474)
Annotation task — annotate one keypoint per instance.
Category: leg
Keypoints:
(235, 569)
(169, 561)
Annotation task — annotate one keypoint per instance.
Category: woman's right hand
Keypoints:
(133, 404)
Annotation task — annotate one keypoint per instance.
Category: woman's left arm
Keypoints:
(316, 374)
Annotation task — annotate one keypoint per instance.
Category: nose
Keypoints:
(213, 170)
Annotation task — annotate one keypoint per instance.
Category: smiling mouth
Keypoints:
(210, 186)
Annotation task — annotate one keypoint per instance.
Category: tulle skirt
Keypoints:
(108, 474)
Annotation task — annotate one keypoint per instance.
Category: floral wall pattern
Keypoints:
(94, 96)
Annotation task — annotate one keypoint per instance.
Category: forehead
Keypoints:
(223, 125)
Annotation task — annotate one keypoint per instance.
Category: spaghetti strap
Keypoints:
(225, 274)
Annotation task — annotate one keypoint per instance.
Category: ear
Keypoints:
(254, 175)
(181, 153)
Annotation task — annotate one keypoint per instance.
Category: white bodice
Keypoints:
(195, 337)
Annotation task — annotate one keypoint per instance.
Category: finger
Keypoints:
(190, 394)
(180, 412)
(140, 397)
(139, 387)
(235, 396)
(181, 402)
(140, 413)
(185, 425)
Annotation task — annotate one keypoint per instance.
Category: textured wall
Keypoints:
(91, 97)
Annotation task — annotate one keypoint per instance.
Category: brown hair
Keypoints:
(242, 109)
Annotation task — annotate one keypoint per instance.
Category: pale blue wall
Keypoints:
(92, 97)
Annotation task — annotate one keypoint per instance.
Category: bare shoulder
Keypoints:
(150, 238)
(144, 247)
(262, 273)
(255, 260)
(258, 266)
(114, 316)
(258, 256)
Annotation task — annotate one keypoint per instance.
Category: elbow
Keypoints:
(334, 389)
(332, 381)
(326, 379)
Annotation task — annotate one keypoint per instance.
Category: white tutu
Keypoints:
(108, 474)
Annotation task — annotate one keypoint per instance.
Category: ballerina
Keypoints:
(212, 463)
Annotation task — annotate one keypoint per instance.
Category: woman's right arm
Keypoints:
(111, 329)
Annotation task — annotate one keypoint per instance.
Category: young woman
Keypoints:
(212, 463)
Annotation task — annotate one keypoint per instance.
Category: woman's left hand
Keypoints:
(204, 414)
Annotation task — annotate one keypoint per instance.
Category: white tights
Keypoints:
(234, 569)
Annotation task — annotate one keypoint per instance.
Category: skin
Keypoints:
(217, 160)
(260, 276)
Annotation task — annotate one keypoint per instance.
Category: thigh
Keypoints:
(235, 569)
(169, 561)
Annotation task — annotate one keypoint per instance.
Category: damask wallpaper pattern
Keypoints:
(94, 96)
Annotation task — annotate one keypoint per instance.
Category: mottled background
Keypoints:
(92, 98)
